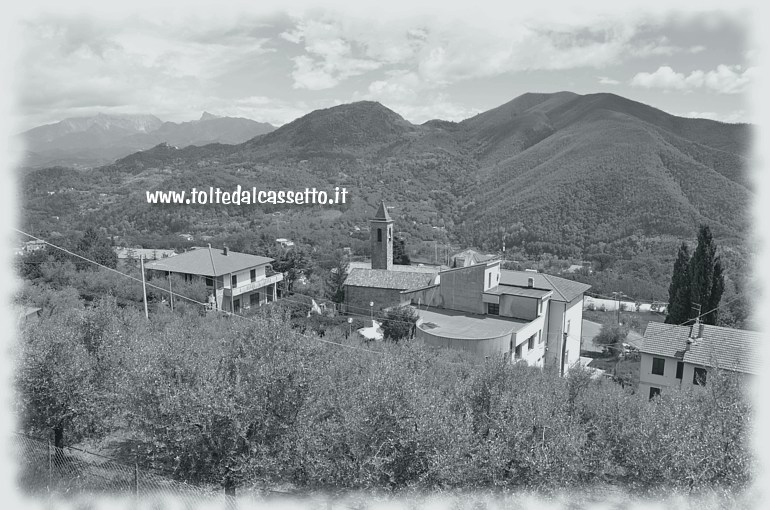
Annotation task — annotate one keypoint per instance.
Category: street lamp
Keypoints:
(350, 326)
(371, 311)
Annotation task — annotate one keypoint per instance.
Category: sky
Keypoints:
(276, 64)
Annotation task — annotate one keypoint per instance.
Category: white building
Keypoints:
(236, 281)
(520, 315)
(682, 356)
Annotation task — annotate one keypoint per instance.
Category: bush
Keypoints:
(398, 323)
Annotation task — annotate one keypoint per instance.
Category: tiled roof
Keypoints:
(199, 262)
(382, 213)
(563, 289)
(470, 257)
(726, 348)
(384, 279)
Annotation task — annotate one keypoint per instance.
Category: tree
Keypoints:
(706, 278)
(293, 263)
(611, 337)
(337, 275)
(97, 248)
(55, 381)
(679, 290)
(399, 252)
(697, 283)
(399, 323)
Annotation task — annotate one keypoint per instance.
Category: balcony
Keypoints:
(244, 288)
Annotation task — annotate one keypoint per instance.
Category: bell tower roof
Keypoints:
(382, 213)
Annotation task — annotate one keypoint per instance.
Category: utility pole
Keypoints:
(214, 271)
(618, 296)
(563, 352)
(170, 293)
(144, 289)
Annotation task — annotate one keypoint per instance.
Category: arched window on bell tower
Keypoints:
(379, 235)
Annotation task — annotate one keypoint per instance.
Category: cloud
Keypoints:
(329, 58)
(737, 116)
(604, 80)
(723, 80)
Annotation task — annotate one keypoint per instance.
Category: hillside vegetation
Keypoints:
(549, 175)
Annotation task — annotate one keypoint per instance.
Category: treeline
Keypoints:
(239, 403)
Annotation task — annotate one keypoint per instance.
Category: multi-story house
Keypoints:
(682, 357)
(236, 281)
(520, 315)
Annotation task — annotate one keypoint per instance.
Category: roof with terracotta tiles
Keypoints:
(563, 289)
(384, 279)
(714, 346)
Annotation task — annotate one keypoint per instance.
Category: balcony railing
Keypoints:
(252, 286)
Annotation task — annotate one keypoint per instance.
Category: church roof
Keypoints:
(384, 279)
(382, 213)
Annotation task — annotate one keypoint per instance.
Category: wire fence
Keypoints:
(47, 471)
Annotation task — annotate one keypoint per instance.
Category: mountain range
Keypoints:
(554, 173)
(86, 142)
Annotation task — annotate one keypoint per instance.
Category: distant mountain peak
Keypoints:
(209, 116)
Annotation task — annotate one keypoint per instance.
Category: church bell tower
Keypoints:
(382, 239)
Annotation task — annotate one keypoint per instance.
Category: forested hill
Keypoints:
(558, 173)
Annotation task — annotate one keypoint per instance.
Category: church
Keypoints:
(476, 306)
(384, 284)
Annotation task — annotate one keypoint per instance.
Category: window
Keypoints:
(254, 299)
(654, 392)
(209, 281)
(517, 353)
(658, 366)
(531, 343)
(699, 376)
(493, 309)
(379, 235)
(234, 280)
(679, 369)
(253, 275)
(390, 234)
(489, 280)
(188, 278)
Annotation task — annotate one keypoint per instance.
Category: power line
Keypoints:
(225, 312)
(229, 313)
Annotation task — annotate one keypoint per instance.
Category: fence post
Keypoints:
(136, 480)
(50, 467)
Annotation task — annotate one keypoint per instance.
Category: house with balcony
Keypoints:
(682, 357)
(235, 281)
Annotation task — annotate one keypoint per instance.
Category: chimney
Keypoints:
(696, 331)
(530, 282)
(224, 251)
